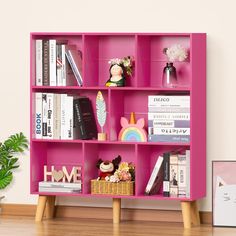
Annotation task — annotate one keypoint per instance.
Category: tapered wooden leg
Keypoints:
(186, 212)
(195, 213)
(40, 208)
(116, 210)
(50, 207)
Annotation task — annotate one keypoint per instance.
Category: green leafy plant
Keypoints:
(14, 145)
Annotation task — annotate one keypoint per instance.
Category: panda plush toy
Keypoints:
(107, 168)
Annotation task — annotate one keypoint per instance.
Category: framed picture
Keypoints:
(224, 193)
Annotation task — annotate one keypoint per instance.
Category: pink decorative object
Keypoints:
(132, 131)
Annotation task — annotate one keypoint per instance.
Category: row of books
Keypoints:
(57, 63)
(60, 116)
(172, 173)
(168, 118)
(60, 187)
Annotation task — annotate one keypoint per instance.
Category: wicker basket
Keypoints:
(106, 187)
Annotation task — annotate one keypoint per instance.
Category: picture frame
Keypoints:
(224, 193)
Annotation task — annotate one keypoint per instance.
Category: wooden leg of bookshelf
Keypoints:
(40, 208)
(116, 210)
(195, 213)
(50, 207)
(186, 212)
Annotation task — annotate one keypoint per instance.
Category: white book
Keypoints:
(59, 190)
(171, 131)
(39, 61)
(174, 175)
(168, 116)
(44, 115)
(57, 116)
(182, 174)
(63, 116)
(38, 115)
(52, 62)
(162, 101)
(76, 185)
(154, 174)
(50, 98)
(63, 59)
(171, 110)
(188, 173)
(69, 117)
(163, 123)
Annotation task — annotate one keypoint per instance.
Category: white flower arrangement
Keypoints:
(126, 62)
(176, 53)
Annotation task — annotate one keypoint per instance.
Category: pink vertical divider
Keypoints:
(109, 117)
(198, 116)
(83, 61)
(83, 171)
(143, 60)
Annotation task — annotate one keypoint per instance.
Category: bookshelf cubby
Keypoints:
(147, 50)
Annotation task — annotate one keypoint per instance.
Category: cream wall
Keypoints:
(215, 17)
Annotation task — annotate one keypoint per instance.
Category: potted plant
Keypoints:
(11, 147)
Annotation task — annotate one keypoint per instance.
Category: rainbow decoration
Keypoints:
(132, 131)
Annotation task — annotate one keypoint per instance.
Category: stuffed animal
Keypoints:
(107, 168)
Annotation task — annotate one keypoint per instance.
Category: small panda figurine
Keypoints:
(107, 168)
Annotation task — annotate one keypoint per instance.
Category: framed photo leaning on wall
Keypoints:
(224, 193)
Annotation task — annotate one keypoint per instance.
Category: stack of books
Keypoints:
(168, 118)
(60, 116)
(57, 63)
(60, 187)
(172, 174)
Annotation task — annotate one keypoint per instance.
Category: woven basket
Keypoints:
(106, 187)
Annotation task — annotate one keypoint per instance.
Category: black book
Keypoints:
(166, 173)
(46, 63)
(84, 121)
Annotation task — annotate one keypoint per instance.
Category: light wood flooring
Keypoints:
(25, 226)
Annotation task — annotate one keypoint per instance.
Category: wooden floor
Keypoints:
(23, 226)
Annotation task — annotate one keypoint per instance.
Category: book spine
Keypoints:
(50, 115)
(188, 176)
(157, 123)
(171, 131)
(46, 63)
(173, 175)
(44, 115)
(59, 190)
(69, 117)
(52, 62)
(57, 116)
(63, 116)
(169, 138)
(154, 174)
(76, 185)
(38, 115)
(182, 175)
(169, 101)
(79, 130)
(169, 109)
(39, 62)
(63, 59)
(166, 178)
(169, 116)
(59, 65)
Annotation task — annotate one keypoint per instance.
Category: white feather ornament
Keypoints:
(101, 110)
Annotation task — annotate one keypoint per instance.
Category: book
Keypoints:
(57, 116)
(74, 58)
(44, 115)
(168, 116)
(69, 117)
(59, 64)
(59, 190)
(173, 175)
(156, 179)
(187, 173)
(182, 171)
(52, 63)
(63, 117)
(166, 174)
(38, 115)
(50, 184)
(84, 121)
(169, 138)
(46, 63)
(172, 131)
(39, 62)
(50, 114)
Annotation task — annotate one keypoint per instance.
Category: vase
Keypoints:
(169, 77)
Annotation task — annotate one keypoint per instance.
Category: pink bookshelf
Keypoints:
(147, 50)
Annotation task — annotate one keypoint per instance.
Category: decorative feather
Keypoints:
(101, 109)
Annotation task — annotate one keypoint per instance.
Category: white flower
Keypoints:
(176, 53)
(107, 178)
(114, 178)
